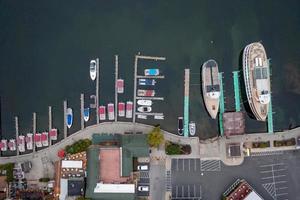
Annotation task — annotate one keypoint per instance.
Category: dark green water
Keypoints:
(45, 48)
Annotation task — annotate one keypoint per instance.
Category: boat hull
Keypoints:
(69, 117)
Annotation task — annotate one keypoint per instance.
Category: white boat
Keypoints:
(111, 111)
(144, 109)
(93, 69)
(29, 141)
(146, 93)
(143, 102)
(129, 105)
(86, 114)
(3, 145)
(21, 143)
(158, 117)
(102, 112)
(121, 109)
(37, 140)
(44, 139)
(142, 116)
(53, 134)
(12, 145)
(192, 128)
(69, 117)
(151, 72)
(120, 85)
(146, 81)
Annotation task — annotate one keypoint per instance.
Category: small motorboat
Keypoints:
(93, 69)
(192, 128)
(151, 72)
(145, 93)
(3, 145)
(129, 105)
(147, 81)
(111, 111)
(143, 102)
(121, 109)
(142, 116)
(21, 143)
(53, 134)
(12, 145)
(180, 125)
(120, 86)
(38, 140)
(144, 109)
(29, 141)
(102, 112)
(86, 114)
(158, 117)
(44, 139)
(69, 117)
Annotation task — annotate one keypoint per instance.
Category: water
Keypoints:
(45, 48)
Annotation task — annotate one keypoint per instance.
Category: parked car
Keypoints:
(143, 188)
(142, 167)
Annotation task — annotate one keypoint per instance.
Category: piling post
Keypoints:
(97, 89)
(82, 110)
(50, 122)
(17, 133)
(116, 88)
(65, 119)
(134, 87)
(33, 129)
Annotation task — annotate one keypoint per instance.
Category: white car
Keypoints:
(142, 167)
(143, 188)
(144, 109)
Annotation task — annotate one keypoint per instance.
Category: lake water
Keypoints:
(45, 48)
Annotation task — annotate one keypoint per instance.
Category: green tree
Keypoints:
(155, 137)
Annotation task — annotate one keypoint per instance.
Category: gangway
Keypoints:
(186, 102)
(222, 106)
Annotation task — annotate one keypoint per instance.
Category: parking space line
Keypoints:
(189, 164)
(188, 190)
(275, 170)
(183, 164)
(177, 165)
(194, 190)
(176, 191)
(270, 165)
(282, 194)
(182, 191)
(282, 188)
(278, 176)
(195, 165)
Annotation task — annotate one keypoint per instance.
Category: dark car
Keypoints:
(180, 125)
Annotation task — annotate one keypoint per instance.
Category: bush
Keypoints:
(177, 149)
(289, 142)
(45, 180)
(9, 167)
(79, 146)
(261, 144)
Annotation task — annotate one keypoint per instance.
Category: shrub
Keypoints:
(45, 180)
(9, 167)
(177, 149)
(155, 137)
(78, 146)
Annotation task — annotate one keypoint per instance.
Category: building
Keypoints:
(241, 190)
(110, 165)
(234, 123)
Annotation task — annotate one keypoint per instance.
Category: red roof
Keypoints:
(28, 139)
(120, 83)
(53, 132)
(37, 137)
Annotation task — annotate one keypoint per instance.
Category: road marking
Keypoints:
(188, 190)
(195, 165)
(278, 176)
(183, 164)
(189, 164)
(194, 190)
(276, 170)
(182, 191)
(210, 165)
(176, 191)
(270, 165)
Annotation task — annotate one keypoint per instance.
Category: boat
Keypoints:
(93, 69)
(111, 111)
(21, 143)
(37, 140)
(146, 93)
(86, 114)
(120, 85)
(29, 141)
(192, 128)
(151, 72)
(257, 80)
(3, 145)
(180, 126)
(102, 112)
(129, 105)
(211, 87)
(147, 81)
(143, 102)
(121, 109)
(69, 117)
(44, 139)
(144, 109)
(159, 117)
(12, 145)
(53, 134)
(142, 116)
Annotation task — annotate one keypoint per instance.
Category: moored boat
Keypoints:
(111, 111)
(144, 109)
(3, 145)
(12, 145)
(129, 105)
(29, 141)
(151, 72)
(143, 102)
(44, 139)
(120, 85)
(53, 134)
(21, 143)
(69, 117)
(121, 109)
(86, 114)
(139, 116)
(37, 140)
(257, 79)
(192, 128)
(93, 69)
(159, 117)
(102, 112)
(146, 93)
(146, 81)
(211, 87)
(180, 125)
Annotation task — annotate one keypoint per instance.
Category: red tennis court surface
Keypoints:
(110, 165)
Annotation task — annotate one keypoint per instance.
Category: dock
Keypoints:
(270, 112)
(17, 134)
(236, 91)
(116, 88)
(97, 89)
(82, 111)
(186, 102)
(49, 118)
(222, 104)
(152, 77)
(65, 120)
(134, 87)
(156, 58)
(151, 98)
(34, 129)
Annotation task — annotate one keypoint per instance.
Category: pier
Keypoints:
(49, 118)
(116, 88)
(222, 104)
(236, 91)
(156, 58)
(17, 134)
(82, 111)
(97, 89)
(151, 98)
(65, 119)
(186, 102)
(270, 111)
(34, 130)
(148, 114)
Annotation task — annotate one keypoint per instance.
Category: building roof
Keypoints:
(26, 166)
(114, 188)
(234, 123)
(71, 163)
(75, 187)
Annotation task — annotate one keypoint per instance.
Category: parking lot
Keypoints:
(273, 176)
(144, 180)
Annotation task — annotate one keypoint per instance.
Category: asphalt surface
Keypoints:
(157, 181)
(144, 181)
(274, 177)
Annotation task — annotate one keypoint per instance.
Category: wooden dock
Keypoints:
(17, 134)
(148, 114)
(33, 129)
(82, 111)
(134, 87)
(65, 120)
(156, 58)
(49, 118)
(116, 88)
(97, 88)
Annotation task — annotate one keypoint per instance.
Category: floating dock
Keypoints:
(222, 104)
(17, 134)
(97, 89)
(65, 120)
(116, 87)
(151, 98)
(186, 102)
(81, 111)
(148, 114)
(236, 91)
(270, 112)
(34, 130)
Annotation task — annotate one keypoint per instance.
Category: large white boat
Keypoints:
(257, 79)
(144, 109)
(143, 102)
(69, 117)
(211, 87)
(129, 105)
(3, 145)
(102, 112)
(29, 141)
(111, 111)
(44, 139)
(93, 69)
(21, 143)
